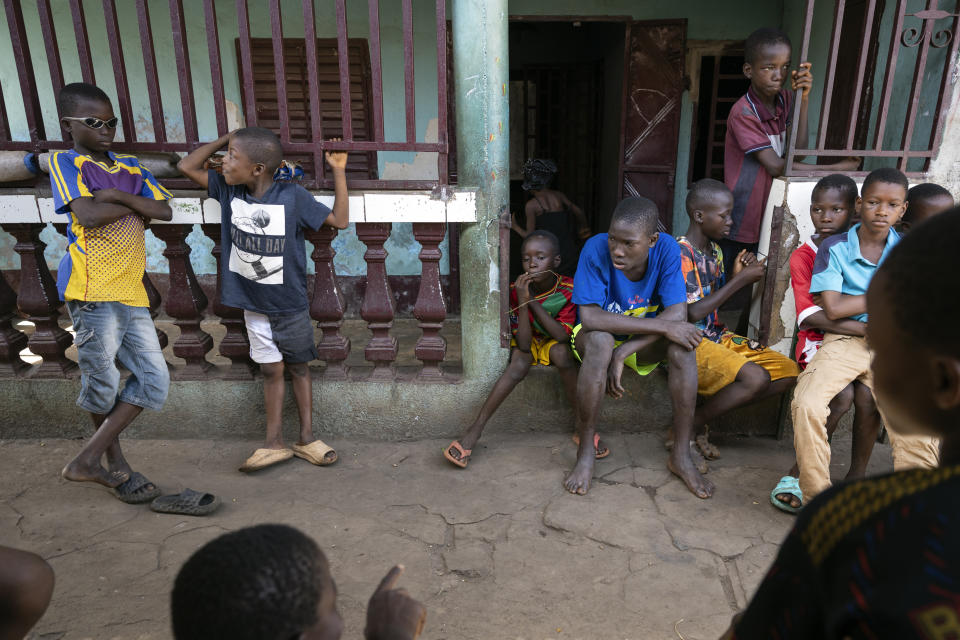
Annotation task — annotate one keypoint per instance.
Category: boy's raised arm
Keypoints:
(340, 216)
(743, 275)
(191, 165)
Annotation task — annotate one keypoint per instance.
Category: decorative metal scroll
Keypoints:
(913, 36)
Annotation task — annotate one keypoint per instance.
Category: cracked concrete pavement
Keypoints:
(499, 550)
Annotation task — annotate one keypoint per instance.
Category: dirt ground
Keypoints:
(497, 551)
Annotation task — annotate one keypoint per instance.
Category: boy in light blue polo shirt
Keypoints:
(842, 272)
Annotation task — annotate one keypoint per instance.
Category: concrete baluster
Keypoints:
(430, 309)
(327, 306)
(378, 306)
(235, 344)
(185, 303)
(38, 298)
(12, 341)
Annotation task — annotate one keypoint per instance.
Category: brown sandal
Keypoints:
(464, 454)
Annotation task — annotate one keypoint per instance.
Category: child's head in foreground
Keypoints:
(832, 203)
(924, 201)
(883, 199)
(540, 253)
(268, 582)
(633, 231)
(766, 61)
(916, 348)
(253, 152)
(87, 115)
(710, 207)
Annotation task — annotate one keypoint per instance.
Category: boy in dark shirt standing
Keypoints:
(878, 558)
(265, 273)
(756, 140)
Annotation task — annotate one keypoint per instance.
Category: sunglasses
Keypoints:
(95, 123)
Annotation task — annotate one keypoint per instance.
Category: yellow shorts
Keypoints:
(719, 364)
(539, 349)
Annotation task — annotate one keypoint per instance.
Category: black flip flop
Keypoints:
(135, 491)
(187, 503)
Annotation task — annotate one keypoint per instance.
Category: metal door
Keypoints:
(653, 83)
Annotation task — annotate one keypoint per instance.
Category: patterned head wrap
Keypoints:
(538, 173)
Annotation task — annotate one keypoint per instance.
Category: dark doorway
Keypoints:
(566, 80)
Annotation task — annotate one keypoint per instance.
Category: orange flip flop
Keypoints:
(464, 454)
(600, 455)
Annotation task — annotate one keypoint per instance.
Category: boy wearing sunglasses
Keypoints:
(109, 198)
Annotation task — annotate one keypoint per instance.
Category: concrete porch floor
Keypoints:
(497, 551)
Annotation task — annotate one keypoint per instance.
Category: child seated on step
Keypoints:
(845, 264)
(877, 558)
(272, 581)
(732, 370)
(633, 313)
(924, 201)
(265, 272)
(832, 203)
(542, 316)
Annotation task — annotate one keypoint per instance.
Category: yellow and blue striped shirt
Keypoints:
(103, 263)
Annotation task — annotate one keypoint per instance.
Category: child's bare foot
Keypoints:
(77, 471)
(578, 481)
(683, 467)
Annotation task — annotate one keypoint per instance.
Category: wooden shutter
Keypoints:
(360, 165)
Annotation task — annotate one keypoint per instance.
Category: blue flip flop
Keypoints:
(791, 485)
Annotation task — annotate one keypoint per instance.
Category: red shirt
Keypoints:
(557, 305)
(750, 128)
(801, 271)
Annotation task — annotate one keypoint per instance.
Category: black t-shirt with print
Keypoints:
(263, 264)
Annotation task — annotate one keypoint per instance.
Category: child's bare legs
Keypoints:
(682, 380)
(86, 466)
(839, 406)
(273, 391)
(516, 371)
(595, 349)
(303, 393)
(562, 357)
(750, 384)
(866, 427)
(26, 585)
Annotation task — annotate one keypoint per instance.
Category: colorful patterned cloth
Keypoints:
(103, 264)
(871, 559)
(558, 305)
(703, 274)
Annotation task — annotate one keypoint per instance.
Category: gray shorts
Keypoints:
(286, 338)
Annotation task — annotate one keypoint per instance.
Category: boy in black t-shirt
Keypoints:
(878, 558)
(265, 272)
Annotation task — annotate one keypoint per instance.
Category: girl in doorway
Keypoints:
(550, 210)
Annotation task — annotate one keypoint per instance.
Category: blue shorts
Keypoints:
(108, 332)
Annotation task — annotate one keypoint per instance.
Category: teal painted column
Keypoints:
(481, 73)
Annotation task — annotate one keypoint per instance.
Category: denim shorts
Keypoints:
(108, 332)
